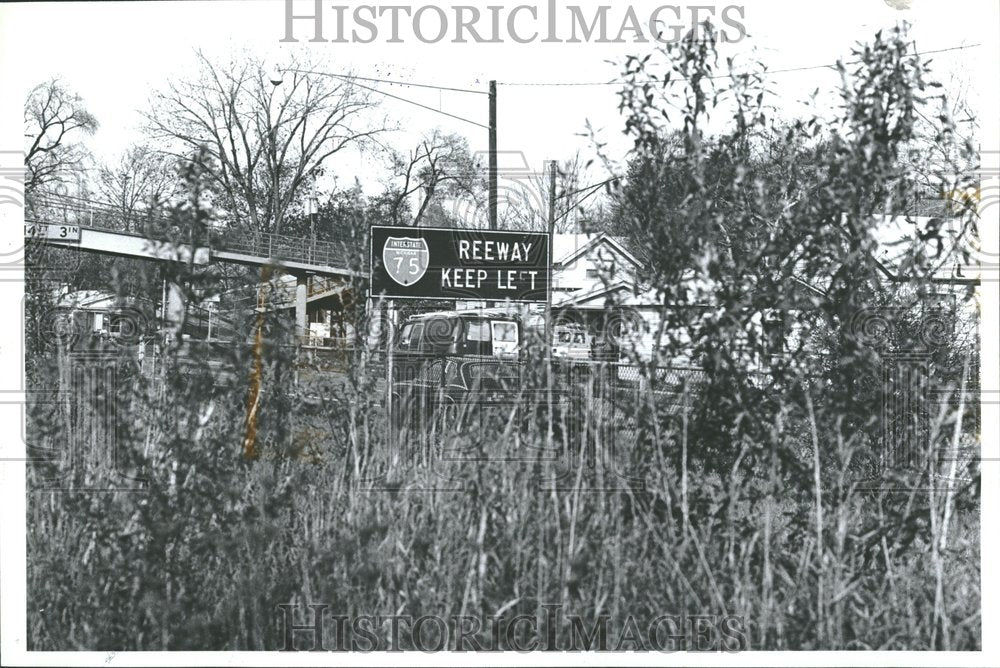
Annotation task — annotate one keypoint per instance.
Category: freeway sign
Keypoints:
(467, 264)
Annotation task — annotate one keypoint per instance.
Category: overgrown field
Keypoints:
(207, 543)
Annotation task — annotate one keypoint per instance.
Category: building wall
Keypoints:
(589, 271)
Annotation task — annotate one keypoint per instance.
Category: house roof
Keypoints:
(596, 297)
(566, 248)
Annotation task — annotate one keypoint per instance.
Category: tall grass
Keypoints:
(201, 556)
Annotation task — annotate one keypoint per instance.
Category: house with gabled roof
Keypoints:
(595, 283)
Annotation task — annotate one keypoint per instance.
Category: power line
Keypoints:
(595, 185)
(593, 190)
(613, 82)
(390, 81)
(418, 104)
(617, 82)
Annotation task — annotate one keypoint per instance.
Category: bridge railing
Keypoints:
(51, 208)
(67, 209)
(282, 247)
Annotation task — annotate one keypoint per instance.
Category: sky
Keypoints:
(114, 54)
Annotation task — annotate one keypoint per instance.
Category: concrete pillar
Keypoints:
(301, 320)
(173, 314)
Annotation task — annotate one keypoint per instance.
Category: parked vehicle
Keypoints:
(454, 357)
(491, 334)
(571, 341)
(452, 366)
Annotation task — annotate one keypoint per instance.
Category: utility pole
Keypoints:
(552, 234)
(493, 155)
(493, 162)
(548, 303)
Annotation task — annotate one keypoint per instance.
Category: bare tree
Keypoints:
(54, 117)
(527, 201)
(942, 134)
(142, 180)
(266, 134)
(440, 167)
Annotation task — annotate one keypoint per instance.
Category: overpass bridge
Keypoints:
(322, 268)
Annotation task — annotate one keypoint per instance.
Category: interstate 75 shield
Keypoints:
(405, 259)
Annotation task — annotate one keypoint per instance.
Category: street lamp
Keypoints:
(276, 76)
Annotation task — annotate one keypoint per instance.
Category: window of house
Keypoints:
(606, 270)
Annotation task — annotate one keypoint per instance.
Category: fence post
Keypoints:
(608, 382)
(442, 407)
